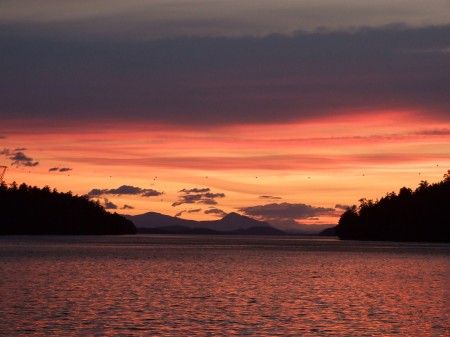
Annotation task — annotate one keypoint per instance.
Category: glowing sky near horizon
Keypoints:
(285, 111)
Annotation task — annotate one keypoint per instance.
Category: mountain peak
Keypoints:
(236, 220)
(233, 215)
(230, 222)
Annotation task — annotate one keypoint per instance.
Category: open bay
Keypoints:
(148, 285)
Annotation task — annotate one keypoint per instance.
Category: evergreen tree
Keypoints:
(419, 215)
(31, 210)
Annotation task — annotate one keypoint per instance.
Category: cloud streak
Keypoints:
(197, 210)
(308, 162)
(269, 197)
(58, 169)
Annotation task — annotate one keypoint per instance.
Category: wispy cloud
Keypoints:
(269, 197)
(197, 196)
(125, 190)
(197, 210)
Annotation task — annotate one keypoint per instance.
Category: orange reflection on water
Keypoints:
(224, 286)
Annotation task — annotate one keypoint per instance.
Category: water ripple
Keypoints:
(147, 286)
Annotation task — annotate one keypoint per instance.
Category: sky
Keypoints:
(286, 111)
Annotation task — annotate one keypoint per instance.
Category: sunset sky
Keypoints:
(286, 111)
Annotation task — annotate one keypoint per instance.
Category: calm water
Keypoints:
(221, 286)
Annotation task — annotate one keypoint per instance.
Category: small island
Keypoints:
(422, 215)
(28, 210)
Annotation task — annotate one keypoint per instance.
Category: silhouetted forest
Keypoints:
(41, 211)
(419, 215)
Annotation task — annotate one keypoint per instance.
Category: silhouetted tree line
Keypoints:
(419, 215)
(31, 210)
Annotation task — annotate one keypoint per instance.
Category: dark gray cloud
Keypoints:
(151, 193)
(108, 204)
(95, 192)
(197, 196)
(194, 210)
(216, 211)
(286, 210)
(18, 158)
(286, 215)
(127, 207)
(342, 207)
(125, 190)
(198, 81)
(57, 169)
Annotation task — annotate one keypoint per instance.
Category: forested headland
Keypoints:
(420, 215)
(41, 211)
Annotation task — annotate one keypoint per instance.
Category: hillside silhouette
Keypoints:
(41, 211)
(419, 215)
(230, 224)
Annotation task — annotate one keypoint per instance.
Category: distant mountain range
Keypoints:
(233, 223)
